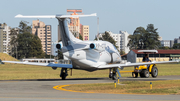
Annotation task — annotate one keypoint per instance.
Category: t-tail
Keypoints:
(66, 35)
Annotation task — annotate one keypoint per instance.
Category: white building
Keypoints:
(167, 43)
(5, 38)
(121, 40)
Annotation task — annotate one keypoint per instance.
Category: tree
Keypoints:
(29, 46)
(176, 46)
(60, 55)
(80, 37)
(136, 41)
(144, 39)
(106, 37)
(26, 44)
(23, 27)
(13, 42)
(165, 48)
(36, 47)
(151, 38)
(122, 52)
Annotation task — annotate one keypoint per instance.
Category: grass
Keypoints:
(19, 71)
(130, 87)
(4, 56)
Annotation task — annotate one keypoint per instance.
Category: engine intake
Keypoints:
(97, 46)
(92, 46)
(58, 46)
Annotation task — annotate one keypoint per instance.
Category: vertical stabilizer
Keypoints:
(66, 35)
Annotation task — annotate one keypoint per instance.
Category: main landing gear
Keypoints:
(112, 73)
(63, 73)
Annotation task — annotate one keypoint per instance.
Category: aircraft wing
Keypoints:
(41, 64)
(121, 66)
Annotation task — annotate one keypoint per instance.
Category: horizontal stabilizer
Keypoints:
(74, 16)
(53, 16)
(37, 16)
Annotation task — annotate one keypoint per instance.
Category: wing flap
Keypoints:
(41, 64)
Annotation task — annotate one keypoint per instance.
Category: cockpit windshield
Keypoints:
(110, 48)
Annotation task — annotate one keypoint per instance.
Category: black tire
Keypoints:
(114, 76)
(64, 76)
(154, 72)
(110, 75)
(141, 75)
(144, 73)
(134, 75)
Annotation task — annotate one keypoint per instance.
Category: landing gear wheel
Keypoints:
(63, 76)
(114, 76)
(154, 72)
(63, 73)
(110, 75)
(134, 75)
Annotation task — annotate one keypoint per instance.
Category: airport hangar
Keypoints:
(163, 55)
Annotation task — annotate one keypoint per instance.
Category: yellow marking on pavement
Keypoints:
(61, 87)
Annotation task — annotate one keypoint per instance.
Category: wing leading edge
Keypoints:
(42, 64)
(134, 64)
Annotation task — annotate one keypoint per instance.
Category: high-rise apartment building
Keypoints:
(167, 43)
(85, 32)
(4, 38)
(44, 33)
(177, 40)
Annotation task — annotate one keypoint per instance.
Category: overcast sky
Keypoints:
(114, 15)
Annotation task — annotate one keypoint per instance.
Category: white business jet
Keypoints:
(84, 55)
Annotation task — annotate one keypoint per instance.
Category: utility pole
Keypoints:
(97, 28)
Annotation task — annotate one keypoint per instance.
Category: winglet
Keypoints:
(18, 16)
(1, 62)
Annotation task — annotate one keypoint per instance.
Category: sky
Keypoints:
(114, 15)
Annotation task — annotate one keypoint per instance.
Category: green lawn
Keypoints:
(130, 87)
(19, 71)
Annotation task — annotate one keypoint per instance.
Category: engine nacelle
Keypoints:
(92, 46)
(58, 46)
(98, 46)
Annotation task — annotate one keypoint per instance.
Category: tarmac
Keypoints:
(42, 90)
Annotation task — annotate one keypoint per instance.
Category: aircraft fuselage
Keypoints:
(86, 57)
